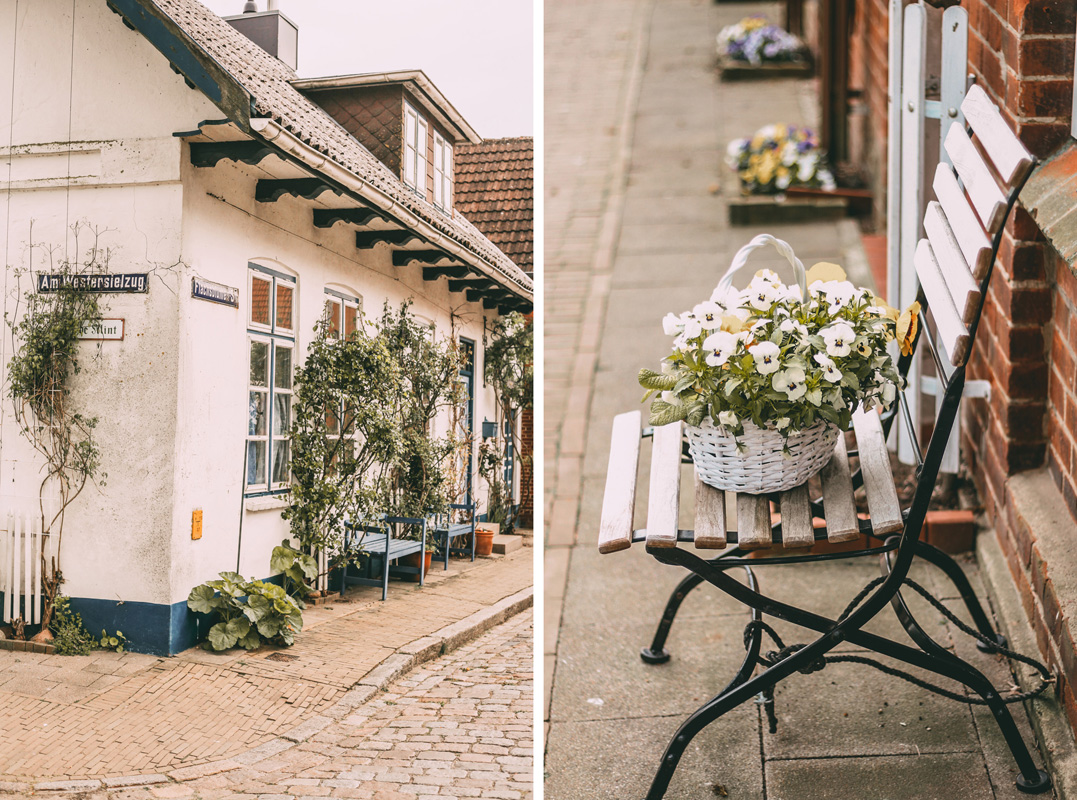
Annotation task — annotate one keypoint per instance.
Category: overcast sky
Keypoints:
(479, 53)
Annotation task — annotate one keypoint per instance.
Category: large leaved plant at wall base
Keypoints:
(344, 436)
(421, 481)
(46, 356)
(509, 368)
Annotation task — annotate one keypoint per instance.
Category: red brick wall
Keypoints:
(869, 64)
(374, 115)
(1062, 386)
(527, 472)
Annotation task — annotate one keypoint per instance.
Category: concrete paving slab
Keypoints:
(617, 759)
(601, 676)
(915, 777)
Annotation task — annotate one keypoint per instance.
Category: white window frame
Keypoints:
(343, 302)
(275, 337)
(414, 156)
(443, 157)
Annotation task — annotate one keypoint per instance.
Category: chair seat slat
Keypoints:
(797, 528)
(955, 336)
(964, 223)
(664, 497)
(1005, 150)
(841, 521)
(986, 197)
(619, 501)
(964, 291)
(710, 517)
(883, 505)
(753, 522)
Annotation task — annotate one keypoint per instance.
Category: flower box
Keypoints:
(754, 48)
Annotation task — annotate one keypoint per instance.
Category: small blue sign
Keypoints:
(214, 292)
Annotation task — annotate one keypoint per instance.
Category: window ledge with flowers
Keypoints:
(755, 48)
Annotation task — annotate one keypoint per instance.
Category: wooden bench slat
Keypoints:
(796, 518)
(1005, 150)
(952, 330)
(710, 517)
(883, 505)
(986, 197)
(619, 501)
(753, 522)
(664, 495)
(838, 505)
(975, 245)
(964, 290)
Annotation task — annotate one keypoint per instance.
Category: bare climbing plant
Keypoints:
(45, 327)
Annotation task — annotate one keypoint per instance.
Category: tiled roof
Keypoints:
(268, 80)
(495, 183)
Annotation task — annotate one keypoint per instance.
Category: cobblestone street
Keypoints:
(457, 727)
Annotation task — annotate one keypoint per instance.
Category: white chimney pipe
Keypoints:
(273, 5)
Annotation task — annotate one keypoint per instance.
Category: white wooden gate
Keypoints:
(24, 551)
(906, 161)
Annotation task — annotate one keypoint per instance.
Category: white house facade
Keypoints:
(160, 132)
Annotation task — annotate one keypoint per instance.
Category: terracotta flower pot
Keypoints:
(484, 541)
(412, 560)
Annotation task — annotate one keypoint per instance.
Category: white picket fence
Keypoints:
(23, 551)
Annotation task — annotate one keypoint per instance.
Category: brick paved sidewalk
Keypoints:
(107, 715)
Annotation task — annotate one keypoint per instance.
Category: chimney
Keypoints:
(270, 30)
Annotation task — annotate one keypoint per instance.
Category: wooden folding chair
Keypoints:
(954, 265)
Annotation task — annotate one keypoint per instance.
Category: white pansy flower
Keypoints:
(790, 326)
(692, 326)
(768, 275)
(709, 315)
(888, 390)
(830, 369)
(783, 180)
(790, 381)
(728, 419)
(789, 154)
(837, 293)
(725, 296)
(839, 339)
(766, 357)
(782, 423)
(671, 324)
(761, 294)
(719, 346)
(672, 399)
(806, 166)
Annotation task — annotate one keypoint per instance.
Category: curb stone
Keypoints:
(407, 657)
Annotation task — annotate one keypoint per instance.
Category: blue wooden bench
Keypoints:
(445, 530)
(381, 541)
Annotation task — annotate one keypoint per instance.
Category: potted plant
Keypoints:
(767, 377)
(778, 157)
(754, 47)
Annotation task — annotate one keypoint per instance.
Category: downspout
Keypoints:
(286, 141)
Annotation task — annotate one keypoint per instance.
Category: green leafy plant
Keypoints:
(70, 637)
(296, 567)
(45, 327)
(344, 437)
(116, 642)
(509, 368)
(249, 612)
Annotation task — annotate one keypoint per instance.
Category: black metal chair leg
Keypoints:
(957, 577)
(657, 653)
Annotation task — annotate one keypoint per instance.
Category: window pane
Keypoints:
(280, 462)
(282, 414)
(285, 294)
(259, 364)
(420, 158)
(260, 288)
(332, 421)
(333, 310)
(349, 420)
(351, 320)
(256, 463)
(282, 367)
(257, 422)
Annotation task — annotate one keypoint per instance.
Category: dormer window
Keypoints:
(442, 173)
(415, 139)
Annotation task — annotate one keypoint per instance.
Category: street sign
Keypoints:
(106, 330)
(214, 292)
(128, 282)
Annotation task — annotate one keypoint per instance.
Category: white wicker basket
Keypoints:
(762, 467)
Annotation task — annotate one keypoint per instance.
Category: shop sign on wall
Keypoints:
(214, 292)
(108, 330)
(127, 282)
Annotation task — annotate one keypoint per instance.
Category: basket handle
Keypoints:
(740, 260)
